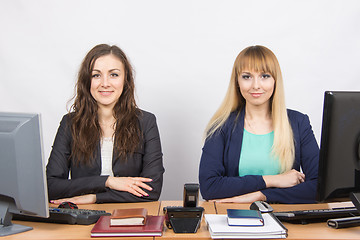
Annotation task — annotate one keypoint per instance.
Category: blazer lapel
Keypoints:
(235, 140)
(98, 157)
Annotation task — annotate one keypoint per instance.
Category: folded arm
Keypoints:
(215, 182)
(116, 189)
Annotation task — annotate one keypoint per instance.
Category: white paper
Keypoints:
(219, 228)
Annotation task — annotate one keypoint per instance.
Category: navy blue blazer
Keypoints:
(145, 162)
(219, 164)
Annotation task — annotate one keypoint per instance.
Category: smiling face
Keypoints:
(107, 81)
(256, 87)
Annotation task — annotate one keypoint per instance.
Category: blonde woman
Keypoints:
(254, 146)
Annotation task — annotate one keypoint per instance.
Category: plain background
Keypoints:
(182, 52)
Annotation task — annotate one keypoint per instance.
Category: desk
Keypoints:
(63, 231)
(298, 231)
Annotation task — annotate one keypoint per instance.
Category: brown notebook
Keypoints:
(130, 216)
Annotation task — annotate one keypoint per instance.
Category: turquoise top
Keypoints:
(256, 157)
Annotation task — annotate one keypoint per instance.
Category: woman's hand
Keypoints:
(245, 198)
(83, 199)
(284, 180)
(133, 185)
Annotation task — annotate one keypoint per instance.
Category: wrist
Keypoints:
(269, 181)
(262, 196)
(108, 182)
(93, 198)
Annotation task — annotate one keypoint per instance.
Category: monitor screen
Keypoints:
(23, 188)
(339, 161)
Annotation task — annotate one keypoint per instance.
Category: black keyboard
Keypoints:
(66, 215)
(319, 215)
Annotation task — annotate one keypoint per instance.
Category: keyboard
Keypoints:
(66, 216)
(318, 215)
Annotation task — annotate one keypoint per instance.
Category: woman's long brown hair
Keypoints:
(85, 127)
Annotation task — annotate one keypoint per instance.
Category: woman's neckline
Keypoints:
(258, 134)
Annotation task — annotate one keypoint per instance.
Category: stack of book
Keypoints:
(241, 217)
(244, 224)
(128, 223)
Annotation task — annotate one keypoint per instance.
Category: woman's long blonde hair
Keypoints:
(259, 59)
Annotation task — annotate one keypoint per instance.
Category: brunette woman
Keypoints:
(106, 148)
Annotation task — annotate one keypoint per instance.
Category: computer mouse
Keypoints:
(262, 206)
(69, 205)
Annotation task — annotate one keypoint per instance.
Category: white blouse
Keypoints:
(107, 145)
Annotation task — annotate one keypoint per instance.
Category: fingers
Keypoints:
(59, 201)
(84, 199)
(137, 185)
(302, 175)
(299, 177)
(133, 185)
(142, 179)
(142, 185)
(135, 189)
(139, 182)
(285, 180)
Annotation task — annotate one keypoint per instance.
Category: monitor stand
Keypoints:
(344, 222)
(349, 221)
(355, 198)
(6, 226)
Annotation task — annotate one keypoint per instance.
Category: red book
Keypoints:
(153, 227)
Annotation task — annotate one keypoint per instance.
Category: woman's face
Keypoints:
(107, 82)
(256, 87)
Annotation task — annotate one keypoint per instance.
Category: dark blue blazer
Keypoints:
(219, 165)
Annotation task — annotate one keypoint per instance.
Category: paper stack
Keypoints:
(219, 228)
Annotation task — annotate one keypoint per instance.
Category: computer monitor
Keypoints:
(23, 187)
(339, 161)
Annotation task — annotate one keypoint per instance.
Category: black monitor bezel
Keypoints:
(332, 98)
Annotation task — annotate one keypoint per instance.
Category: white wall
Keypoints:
(182, 51)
